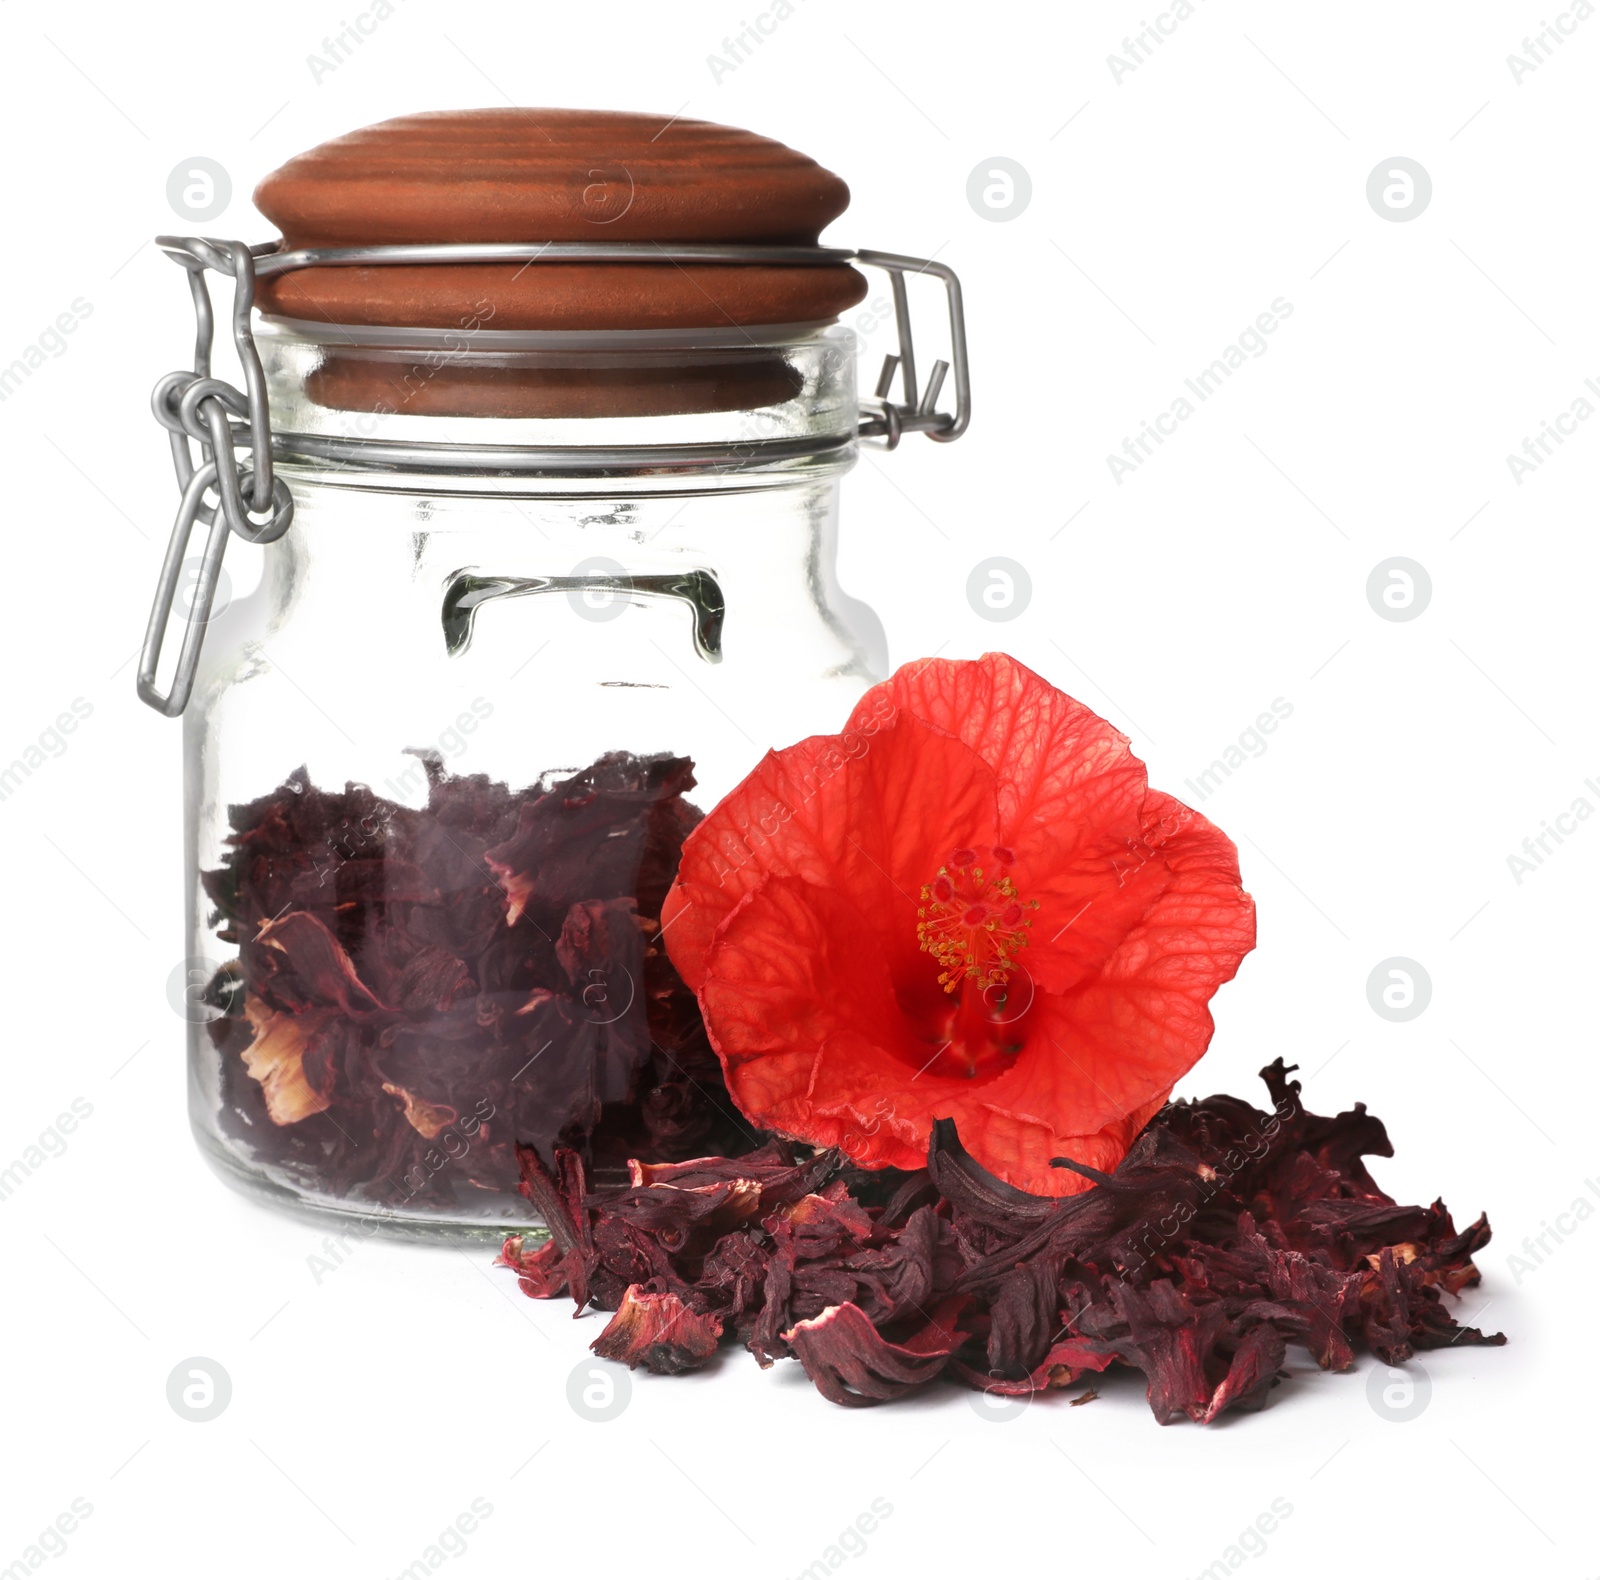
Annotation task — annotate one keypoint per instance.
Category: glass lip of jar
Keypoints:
(596, 453)
(738, 337)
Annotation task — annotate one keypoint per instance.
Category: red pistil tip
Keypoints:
(973, 925)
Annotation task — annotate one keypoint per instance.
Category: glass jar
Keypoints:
(545, 572)
(414, 749)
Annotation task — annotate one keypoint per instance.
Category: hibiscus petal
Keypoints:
(654, 1329)
(1017, 1145)
(801, 1009)
(852, 1364)
(1170, 837)
(1060, 764)
(541, 1272)
(872, 815)
(319, 962)
(1125, 1037)
(282, 1057)
(427, 1119)
(1072, 801)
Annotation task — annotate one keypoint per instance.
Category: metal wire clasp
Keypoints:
(249, 500)
(242, 497)
(918, 412)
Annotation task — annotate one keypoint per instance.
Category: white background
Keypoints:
(1167, 211)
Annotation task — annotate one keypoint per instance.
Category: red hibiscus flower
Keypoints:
(967, 905)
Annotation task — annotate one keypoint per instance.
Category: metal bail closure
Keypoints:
(253, 504)
(217, 417)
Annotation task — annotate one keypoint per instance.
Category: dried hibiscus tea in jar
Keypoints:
(418, 989)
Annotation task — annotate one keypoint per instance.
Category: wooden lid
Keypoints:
(555, 175)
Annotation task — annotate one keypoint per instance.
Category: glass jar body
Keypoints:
(439, 764)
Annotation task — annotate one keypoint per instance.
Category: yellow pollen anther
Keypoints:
(972, 922)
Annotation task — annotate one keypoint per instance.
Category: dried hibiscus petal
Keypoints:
(654, 1329)
(288, 1057)
(852, 1363)
(541, 1272)
(427, 1119)
(1252, 1371)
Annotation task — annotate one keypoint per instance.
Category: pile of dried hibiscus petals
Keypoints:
(1224, 1235)
(415, 987)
